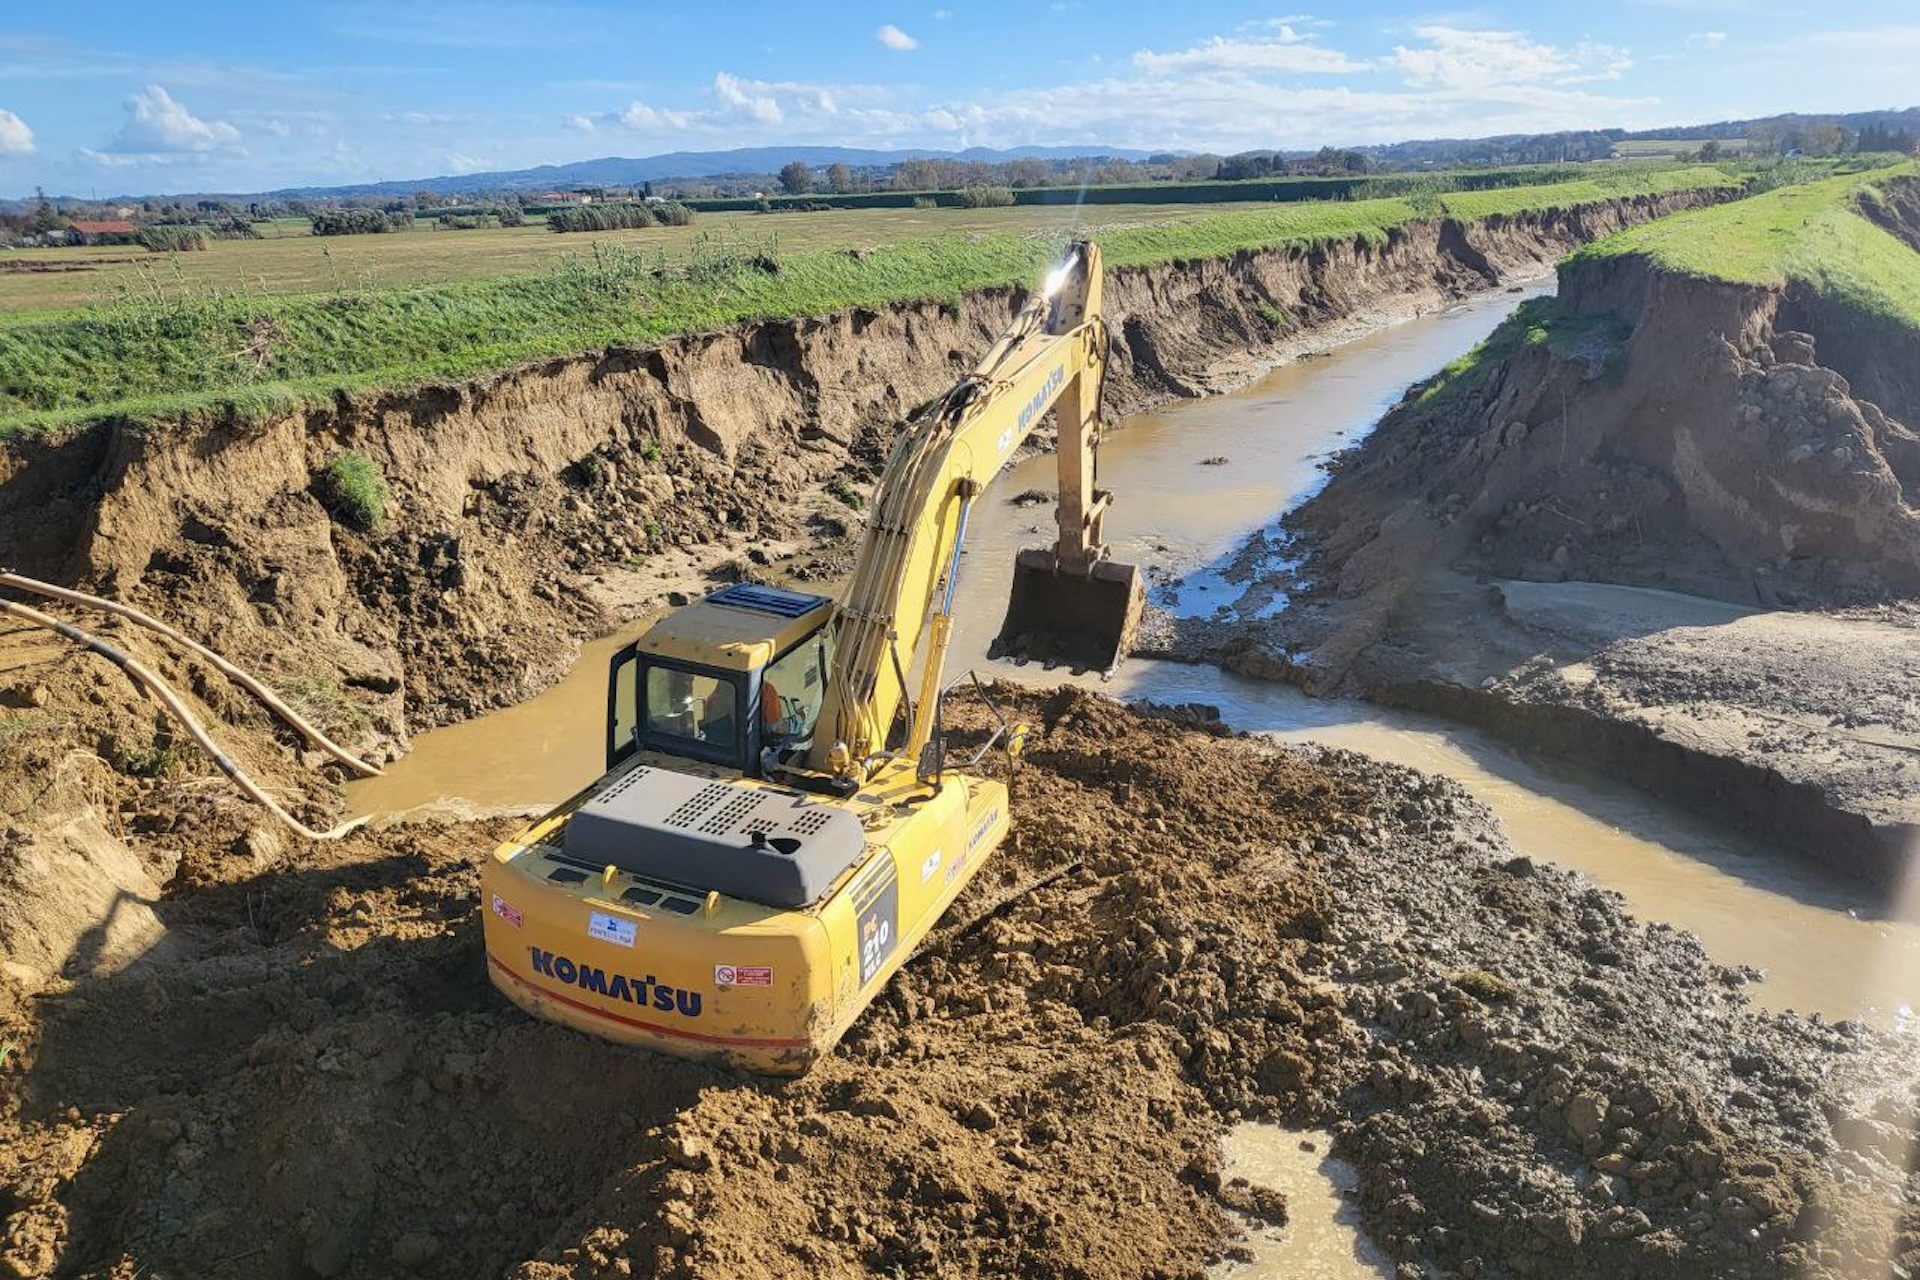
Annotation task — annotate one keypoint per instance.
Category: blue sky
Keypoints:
(109, 97)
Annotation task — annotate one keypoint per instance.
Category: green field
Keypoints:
(260, 325)
(289, 260)
(1604, 185)
(1664, 148)
(1814, 234)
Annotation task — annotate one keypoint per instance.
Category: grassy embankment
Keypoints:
(182, 349)
(1814, 234)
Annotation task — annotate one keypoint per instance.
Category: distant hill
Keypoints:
(621, 171)
(1907, 119)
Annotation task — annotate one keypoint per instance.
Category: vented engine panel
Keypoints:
(765, 845)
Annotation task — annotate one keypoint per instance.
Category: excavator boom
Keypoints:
(1070, 603)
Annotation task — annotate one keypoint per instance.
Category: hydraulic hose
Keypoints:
(159, 688)
(266, 696)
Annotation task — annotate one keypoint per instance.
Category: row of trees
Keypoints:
(798, 178)
(359, 222)
(618, 217)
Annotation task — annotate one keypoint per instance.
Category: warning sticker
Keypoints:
(743, 975)
(612, 929)
(506, 911)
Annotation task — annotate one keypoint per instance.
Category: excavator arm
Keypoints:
(897, 610)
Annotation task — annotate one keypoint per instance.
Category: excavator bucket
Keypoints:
(1085, 621)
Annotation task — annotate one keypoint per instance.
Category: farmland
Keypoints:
(1818, 235)
(287, 261)
(263, 324)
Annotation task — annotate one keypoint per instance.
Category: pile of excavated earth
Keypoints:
(307, 1073)
(227, 1053)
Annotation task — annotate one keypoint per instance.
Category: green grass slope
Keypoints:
(171, 349)
(1815, 234)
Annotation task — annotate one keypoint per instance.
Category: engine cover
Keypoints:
(764, 844)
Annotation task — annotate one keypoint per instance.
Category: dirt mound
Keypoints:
(318, 1080)
(1664, 435)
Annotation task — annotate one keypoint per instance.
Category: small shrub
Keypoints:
(172, 239)
(847, 494)
(353, 489)
(654, 530)
(1274, 316)
(587, 472)
(152, 761)
(925, 202)
(650, 450)
(986, 197)
(673, 214)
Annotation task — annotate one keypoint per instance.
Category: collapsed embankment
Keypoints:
(1535, 541)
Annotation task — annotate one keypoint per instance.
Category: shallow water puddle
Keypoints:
(1322, 1237)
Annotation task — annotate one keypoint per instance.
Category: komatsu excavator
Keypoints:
(778, 827)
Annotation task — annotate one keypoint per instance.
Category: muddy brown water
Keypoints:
(1824, 944)
(1322, 1237)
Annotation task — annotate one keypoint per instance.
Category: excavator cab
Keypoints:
(735, 680)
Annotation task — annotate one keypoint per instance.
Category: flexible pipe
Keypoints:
(171, 701)
(246, 681)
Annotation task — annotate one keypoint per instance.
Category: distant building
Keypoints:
(563, 197)
(109, 231)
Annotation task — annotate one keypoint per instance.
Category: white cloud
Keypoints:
(1454, 58)
(639, 116)
(158, 126)
(1708, 39)
(894, 38)
(15, 138)
(1285, 50)
(460, 162)
(1228, 93)
(580, 123)
(941, 15)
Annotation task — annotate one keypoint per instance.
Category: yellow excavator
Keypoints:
(778, 826)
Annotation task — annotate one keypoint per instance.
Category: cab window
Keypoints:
(692, 709)
(791, 690)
